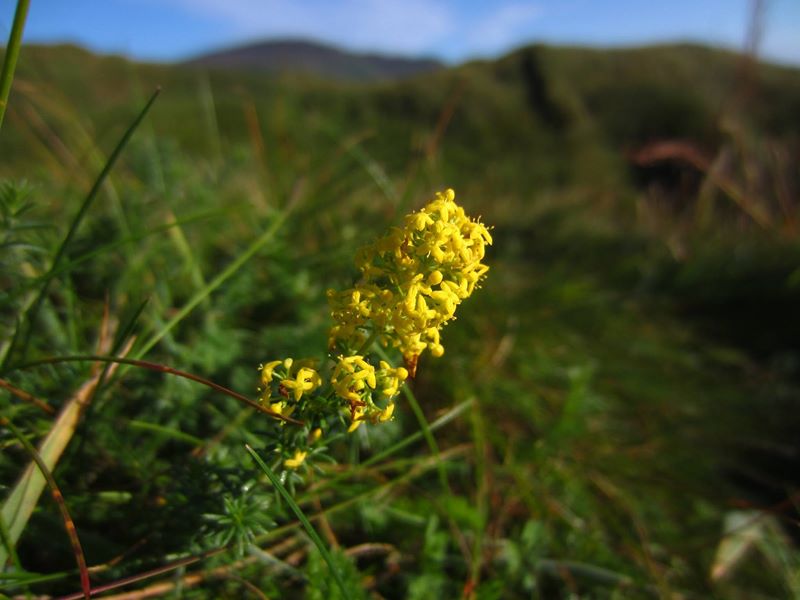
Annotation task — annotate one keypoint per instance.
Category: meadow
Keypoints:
(616, 411)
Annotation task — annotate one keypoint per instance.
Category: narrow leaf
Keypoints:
(69, 524)
(323, 550)
(33, 311)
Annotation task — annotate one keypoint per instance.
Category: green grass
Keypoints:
(624, 383)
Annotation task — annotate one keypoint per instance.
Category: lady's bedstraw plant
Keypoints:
(412, 281)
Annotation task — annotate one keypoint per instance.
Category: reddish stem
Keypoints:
(162, 369)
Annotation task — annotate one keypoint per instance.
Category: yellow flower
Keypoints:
(446, 301)
(351, 376)
(298, 459)
(306, 380)
(357, 419)
(386, 413)
(266, 371)
(412, 280)
(391, 379)
(282, 408)
(419, 220)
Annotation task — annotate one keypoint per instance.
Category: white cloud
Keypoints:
(410, 26)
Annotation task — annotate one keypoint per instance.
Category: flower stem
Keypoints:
(143, 364)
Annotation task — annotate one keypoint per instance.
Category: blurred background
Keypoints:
(617, 411)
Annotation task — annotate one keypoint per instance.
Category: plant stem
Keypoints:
(368, 342)
(12, 53)
(143, 364)
(226, 274)
(423, 423)
(323, 550)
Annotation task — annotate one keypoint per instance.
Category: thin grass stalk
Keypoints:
(119, 243)
(69, 524)
(12, 54)
(143, 364)
(168, 432)
(206, 97)
(226, 274)
(183, 562)
(323, 550)
(161, 589)
(426, 432)
(5, 538)
(20, 503)
(423, 423)
(159, 183)
(407, 441)
(32, 312)
(26, 397)
(482, 476)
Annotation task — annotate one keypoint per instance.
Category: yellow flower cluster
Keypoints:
(293, 378)
(412, 281)
(354, 380)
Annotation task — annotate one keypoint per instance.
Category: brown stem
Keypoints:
(23, 395)
(143, 364)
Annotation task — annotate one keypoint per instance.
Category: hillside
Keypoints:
(541, 118)
(327, 62)
(541, 123)
(524, 101)
(616, 411)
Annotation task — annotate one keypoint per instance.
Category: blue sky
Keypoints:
(451, 30)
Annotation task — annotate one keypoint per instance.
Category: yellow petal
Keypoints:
(386, 413)
(298, 459)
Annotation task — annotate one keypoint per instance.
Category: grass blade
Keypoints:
(33, 311)
(8, 545)
(25, 396)
(323, 550)
(167, 432)
(69, 525)
(12, 54)
(19, 505)
(122, 242)
(446, 418)
(427, 434)
(423, 423)
(202, 294)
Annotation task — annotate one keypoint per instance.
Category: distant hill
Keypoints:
(283, 56)
(538, 116)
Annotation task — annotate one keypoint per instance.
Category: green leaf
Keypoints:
(323, 550)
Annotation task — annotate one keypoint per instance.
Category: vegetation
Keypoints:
(615, 413)
(301, 56)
